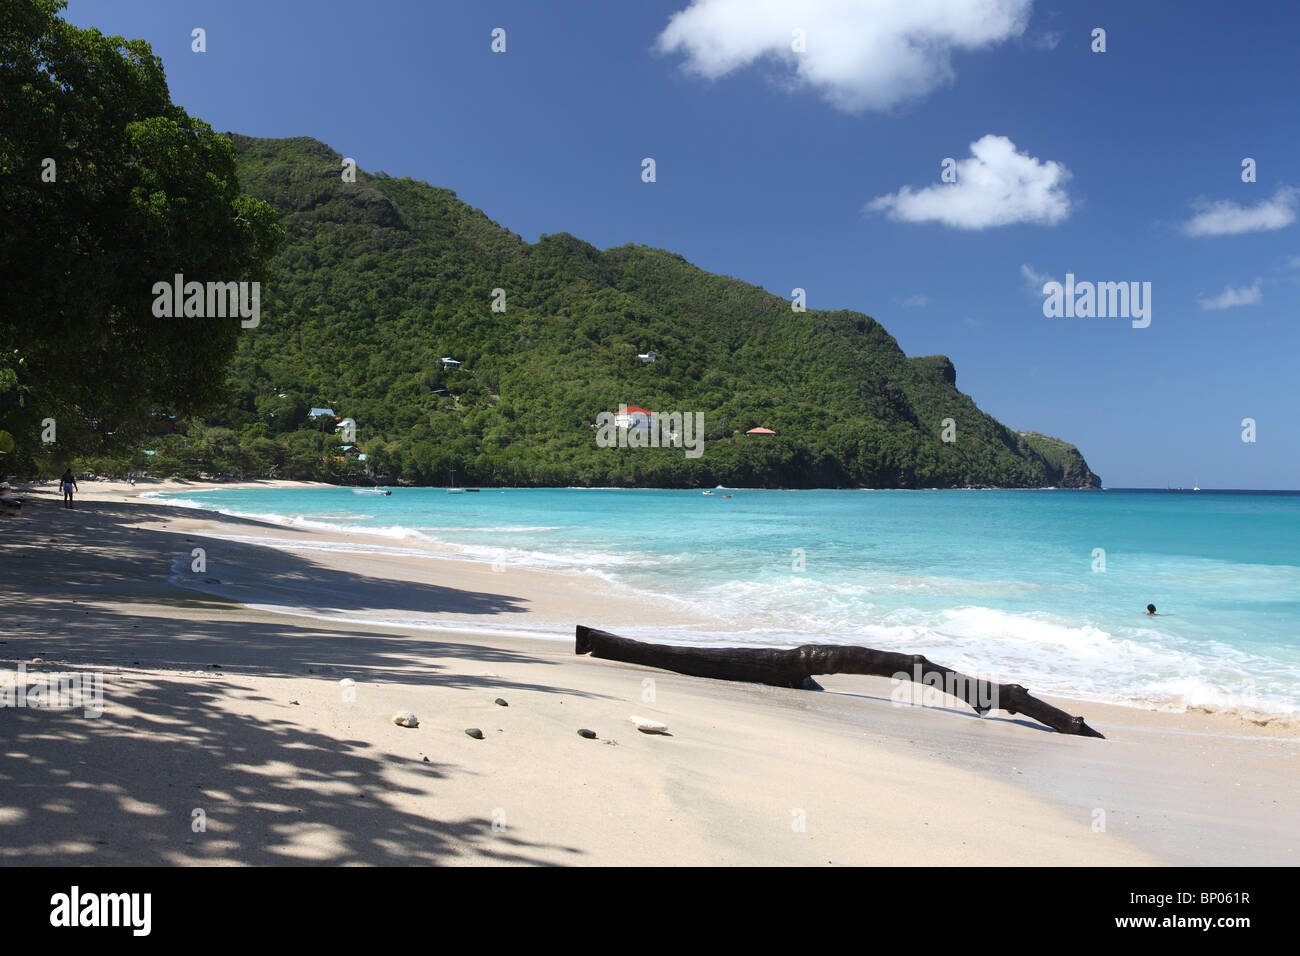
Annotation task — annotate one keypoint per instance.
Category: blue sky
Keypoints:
(821, 169)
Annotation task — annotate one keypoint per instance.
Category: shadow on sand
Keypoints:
(121, 788)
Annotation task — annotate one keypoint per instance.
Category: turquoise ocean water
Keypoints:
(1005, 584)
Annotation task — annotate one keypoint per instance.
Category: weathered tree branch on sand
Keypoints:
(795, 668)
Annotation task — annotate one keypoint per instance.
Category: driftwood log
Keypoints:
(795, 668)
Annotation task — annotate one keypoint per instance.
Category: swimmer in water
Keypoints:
(1151, 610)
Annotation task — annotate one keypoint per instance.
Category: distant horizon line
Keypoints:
(1232, 491)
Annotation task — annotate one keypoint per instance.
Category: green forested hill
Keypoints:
(379, 279)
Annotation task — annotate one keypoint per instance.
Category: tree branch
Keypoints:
(795, 668)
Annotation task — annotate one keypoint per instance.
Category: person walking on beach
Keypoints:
(69, 484)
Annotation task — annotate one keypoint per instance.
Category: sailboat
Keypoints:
(454, 490)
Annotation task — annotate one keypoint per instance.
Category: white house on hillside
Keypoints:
(632, 416)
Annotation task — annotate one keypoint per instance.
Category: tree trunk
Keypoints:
(795, 668)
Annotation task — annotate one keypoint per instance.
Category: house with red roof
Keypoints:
(633, 416)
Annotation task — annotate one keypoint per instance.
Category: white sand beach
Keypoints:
(233, 717)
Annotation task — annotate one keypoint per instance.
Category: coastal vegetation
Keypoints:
(380, 280)
(107, 187)
(403, 336)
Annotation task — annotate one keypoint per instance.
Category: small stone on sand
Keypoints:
(475, 733)
(292, 700)
(501, 702)
(405, 718)
(648, 726)
(589, 734)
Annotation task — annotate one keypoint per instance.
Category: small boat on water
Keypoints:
(371, 491)
(454, 489)
(471, 489)
(706, 492)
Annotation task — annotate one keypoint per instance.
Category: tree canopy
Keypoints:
(107, 187)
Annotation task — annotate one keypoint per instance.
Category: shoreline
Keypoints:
(649, 622)
(876, 782)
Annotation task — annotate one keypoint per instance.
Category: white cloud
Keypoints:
(1226, 218)
(859, 54)
(1035, 280)
(996, 186)
(1046, 41)
(1230, 297)
(916, 301)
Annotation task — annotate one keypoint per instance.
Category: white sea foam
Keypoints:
(491, 529)
(1143, 667)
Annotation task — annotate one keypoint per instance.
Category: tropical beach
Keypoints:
(235, 714)
(696, 433)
